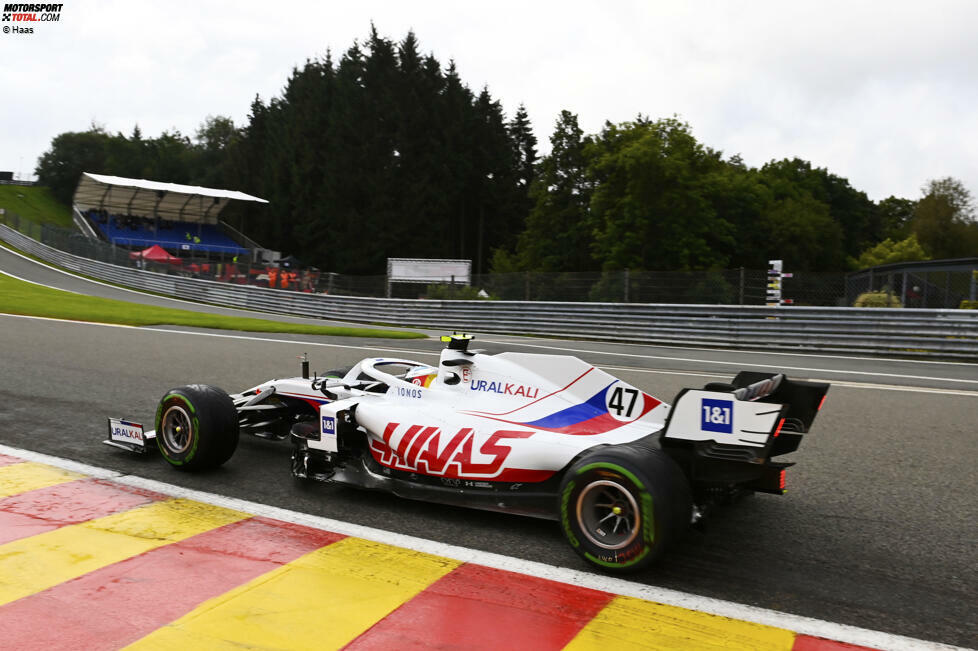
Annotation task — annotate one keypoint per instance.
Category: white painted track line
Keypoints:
(410, 352)
(741, 363)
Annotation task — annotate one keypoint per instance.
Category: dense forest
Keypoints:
(386, 152)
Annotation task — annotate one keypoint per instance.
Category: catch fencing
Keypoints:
(721, 287)
(887, 331)
(931, 283)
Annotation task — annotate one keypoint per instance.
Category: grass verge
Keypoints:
(11, 247)
(36, 203)
(19, 297)
(103, 281)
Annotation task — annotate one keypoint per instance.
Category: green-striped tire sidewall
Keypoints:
(194, 434)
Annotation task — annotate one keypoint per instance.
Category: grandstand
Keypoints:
(131, 231)
(136, 213)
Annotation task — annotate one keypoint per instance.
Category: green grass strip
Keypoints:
(35, 203)
(19, 297)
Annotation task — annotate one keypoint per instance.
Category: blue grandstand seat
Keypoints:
(174, 236)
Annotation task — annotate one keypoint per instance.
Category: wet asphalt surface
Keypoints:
(878, 529)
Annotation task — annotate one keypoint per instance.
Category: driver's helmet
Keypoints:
(421, 375)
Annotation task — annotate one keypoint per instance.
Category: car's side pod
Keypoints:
(724, 435)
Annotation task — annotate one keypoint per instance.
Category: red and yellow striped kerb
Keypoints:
(87, 563)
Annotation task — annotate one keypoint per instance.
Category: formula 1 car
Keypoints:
(547, 436)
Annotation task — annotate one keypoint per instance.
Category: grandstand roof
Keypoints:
(122, 196)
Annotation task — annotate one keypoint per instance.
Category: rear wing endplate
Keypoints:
(755, 417)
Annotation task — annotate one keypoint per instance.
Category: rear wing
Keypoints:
(727, 432)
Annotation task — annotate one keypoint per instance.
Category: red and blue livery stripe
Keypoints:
(593, 408)
(587, 418)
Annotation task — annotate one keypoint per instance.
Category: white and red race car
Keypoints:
(540, 435)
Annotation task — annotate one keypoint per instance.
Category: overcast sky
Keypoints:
(884, 94)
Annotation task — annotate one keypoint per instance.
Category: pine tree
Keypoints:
(559, 230)
(493, 182)
(524, 147)
(457, 115)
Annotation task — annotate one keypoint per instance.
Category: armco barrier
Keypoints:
(895, 331)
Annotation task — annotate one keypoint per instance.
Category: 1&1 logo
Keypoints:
(717, 416)
(329, 425)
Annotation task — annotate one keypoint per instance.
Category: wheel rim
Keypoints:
(608, 514)
(176, 429)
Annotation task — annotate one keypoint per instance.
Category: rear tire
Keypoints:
(622, 506)
(196, 427)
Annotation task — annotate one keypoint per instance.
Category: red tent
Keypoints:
(155, 253)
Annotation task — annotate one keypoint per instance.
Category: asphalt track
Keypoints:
(877, 530)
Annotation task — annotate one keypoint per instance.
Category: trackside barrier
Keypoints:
(885, 331)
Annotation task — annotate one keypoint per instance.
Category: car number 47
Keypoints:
(624, 402)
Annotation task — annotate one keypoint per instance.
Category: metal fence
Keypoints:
(727, 287)
(217, 266)
(924, 333)
(933, 283)
(722, 287)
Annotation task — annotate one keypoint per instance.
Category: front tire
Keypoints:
(196, 427)
(622, 506)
